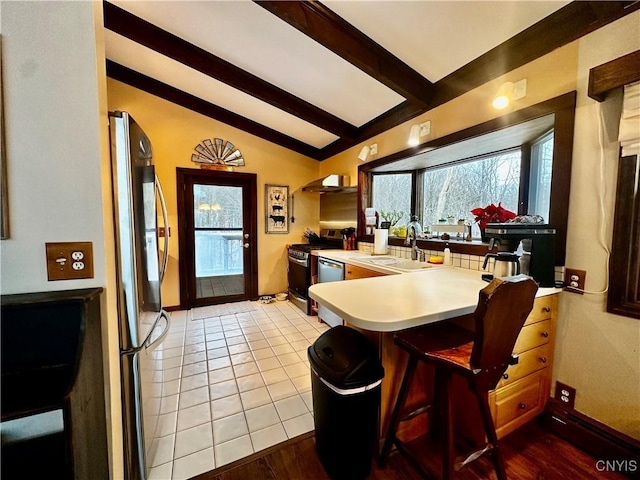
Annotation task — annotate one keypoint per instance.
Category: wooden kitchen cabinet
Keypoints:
(519, 397)
(522, 393)
(351, 272)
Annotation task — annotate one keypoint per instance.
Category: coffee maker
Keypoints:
(537, 257)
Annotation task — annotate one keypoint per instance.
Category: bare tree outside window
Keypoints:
(392, 193)
(541, 168)
(456, 189)
(218, 230)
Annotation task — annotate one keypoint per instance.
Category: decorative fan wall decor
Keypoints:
(217, 152)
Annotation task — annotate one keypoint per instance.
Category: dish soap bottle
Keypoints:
(447, 255)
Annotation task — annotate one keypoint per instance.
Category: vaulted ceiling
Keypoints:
(318, 78)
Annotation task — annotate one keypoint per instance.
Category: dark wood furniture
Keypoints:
(481, 357)
(52, 359)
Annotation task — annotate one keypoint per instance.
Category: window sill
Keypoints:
(475, 247)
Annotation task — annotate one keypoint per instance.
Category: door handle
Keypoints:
(150, 345)
(246, 245)
(165, 217)
(246, 235)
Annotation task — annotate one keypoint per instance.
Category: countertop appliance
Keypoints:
(142, 322)
(505, 264)
(538, 245)
(329, 271)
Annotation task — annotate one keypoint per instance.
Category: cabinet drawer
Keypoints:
(532, 336)
(520, 400)
(528, 362)
(352, 272)
(543, 308)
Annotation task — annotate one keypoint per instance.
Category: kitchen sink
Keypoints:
(394, 262)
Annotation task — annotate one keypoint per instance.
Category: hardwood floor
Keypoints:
(531, 453)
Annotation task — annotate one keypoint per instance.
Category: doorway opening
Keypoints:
(217, 218)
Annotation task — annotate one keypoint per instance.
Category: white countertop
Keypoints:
(396, 302)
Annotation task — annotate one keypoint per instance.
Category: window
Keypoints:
(543, 135)
(455, 189)
(624, 273)
(541, 167)
(391, 197)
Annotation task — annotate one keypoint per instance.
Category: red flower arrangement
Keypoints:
(492, 214)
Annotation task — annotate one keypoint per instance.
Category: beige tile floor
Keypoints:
(233, 385)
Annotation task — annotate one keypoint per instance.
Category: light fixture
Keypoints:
(417, 131)
(508, 92)
(414, 135)
(364, 153)
(368, 150)
(503, 97)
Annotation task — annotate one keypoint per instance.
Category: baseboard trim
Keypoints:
(616, 450)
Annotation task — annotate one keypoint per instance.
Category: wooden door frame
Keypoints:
(186, 253)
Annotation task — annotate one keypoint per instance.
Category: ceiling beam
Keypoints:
(565, 25)
(167, 92)
(330, 30)
(138, 30)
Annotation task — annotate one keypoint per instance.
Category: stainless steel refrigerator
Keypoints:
(140, 267)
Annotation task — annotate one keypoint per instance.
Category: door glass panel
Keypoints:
(219, 252)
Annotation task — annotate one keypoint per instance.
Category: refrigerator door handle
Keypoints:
(157, 341)
(165, 219)
(147, 341)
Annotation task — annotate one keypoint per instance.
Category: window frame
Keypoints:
(563, 110)
(623, 297)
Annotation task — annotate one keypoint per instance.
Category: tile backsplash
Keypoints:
(462, 260)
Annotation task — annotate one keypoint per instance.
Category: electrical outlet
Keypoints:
(69, 260)
(566, 394)
(574, 280)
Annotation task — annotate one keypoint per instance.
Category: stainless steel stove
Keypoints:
(299, 270)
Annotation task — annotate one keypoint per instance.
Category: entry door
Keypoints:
(217, 218)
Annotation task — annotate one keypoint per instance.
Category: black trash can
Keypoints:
(346, 374)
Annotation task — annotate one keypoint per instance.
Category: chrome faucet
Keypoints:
(413, 230)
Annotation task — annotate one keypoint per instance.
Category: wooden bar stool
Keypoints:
(481, 357)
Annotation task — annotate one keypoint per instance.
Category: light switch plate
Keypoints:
(69, 260)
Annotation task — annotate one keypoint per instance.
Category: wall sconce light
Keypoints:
(508, 92)
(368, 150)
(417, 131)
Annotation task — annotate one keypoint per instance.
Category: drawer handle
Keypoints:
(546, 309)
(545, 334)
(505, 376)
(522, 406)
(543, 359)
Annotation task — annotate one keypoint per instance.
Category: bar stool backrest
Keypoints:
(503, 307)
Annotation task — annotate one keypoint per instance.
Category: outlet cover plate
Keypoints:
(565, 394)
(581, 274)
(69, 260)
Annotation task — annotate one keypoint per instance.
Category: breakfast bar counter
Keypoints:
(382, 305)
(395, 302)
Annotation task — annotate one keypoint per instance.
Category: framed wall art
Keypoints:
(276, 200)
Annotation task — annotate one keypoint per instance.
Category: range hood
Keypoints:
(330, 184)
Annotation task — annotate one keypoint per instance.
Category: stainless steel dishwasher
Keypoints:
(329, 271)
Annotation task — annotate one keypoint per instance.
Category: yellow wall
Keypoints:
(596, 352)
(175, 131)
(547, 77)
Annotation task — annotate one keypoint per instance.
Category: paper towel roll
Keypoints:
(380, 238)
(371, 220)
